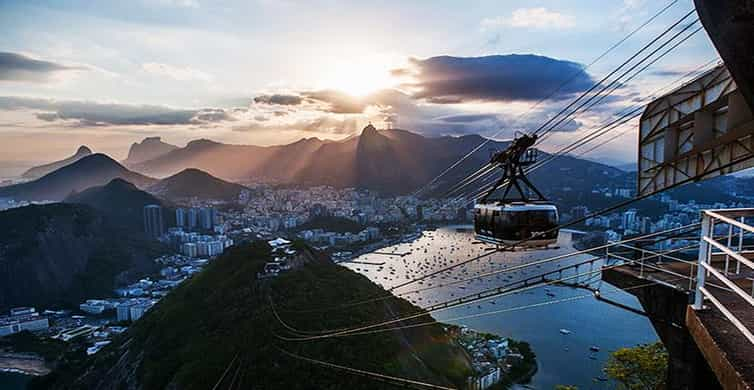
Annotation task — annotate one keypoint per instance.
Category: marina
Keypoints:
(569, 330)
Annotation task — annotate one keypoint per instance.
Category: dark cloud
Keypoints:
(212, 115)
(18, 67)
(494, 78)
(100, 114)
(279, 99)
(47, 116)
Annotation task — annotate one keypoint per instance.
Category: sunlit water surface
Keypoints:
(562, 358)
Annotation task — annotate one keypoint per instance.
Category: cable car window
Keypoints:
(515, 218)
(544, 217)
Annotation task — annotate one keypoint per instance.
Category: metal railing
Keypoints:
(731, 248)
(648, 260)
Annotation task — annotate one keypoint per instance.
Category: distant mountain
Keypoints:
(94, 170)
(58, 255)
(119, 200)
(223, 318)
(193, 182)
(148, 149)
(39, 171)
(229, 162)
(629, 167)
(390, 161)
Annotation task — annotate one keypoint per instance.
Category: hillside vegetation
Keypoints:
(193, 335)
(58, 255)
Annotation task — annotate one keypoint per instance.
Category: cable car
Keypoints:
(530, 224)
(528, 220)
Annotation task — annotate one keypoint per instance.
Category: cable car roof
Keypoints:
(518, 206)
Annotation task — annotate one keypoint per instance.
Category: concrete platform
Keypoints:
(729, 355)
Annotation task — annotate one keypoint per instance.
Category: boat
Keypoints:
(564, 331)
(594, 348)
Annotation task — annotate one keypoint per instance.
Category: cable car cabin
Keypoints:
(510, 223)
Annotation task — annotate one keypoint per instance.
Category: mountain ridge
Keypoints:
(393, 161)
(193, 182)
(41, 170)
(119, 200)
(149, 148)
(93, 170)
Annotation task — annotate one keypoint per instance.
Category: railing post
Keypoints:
(704, 254)
(641, 264)
(740, 246)
(730, 238)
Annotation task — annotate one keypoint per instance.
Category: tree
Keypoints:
(566, 387)
(643, 367)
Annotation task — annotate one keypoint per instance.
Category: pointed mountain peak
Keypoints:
(191, 172)
(100, 157)
(369, 130)
(119, 183)
(83, 151)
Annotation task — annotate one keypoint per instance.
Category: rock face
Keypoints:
(223, 317)
(192, 182)
(93, 170)
(58, 255)
(37, 172)
(148, 149)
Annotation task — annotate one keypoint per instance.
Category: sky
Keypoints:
(266, 72)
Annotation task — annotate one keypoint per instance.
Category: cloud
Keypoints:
(19, 67)
(324, 124)
(279, 99)
(338, 102)
(176, 72)
(449, 80)
(536, 18)
(83, 113)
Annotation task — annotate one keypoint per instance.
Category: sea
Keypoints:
(571, 332)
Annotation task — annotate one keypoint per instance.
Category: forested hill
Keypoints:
(194, 334)
(58, 255)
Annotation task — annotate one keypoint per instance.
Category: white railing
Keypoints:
(731, 247)
(652, 261)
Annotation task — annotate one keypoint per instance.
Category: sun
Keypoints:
(358, 77)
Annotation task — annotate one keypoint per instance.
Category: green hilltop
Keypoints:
(224, 313)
